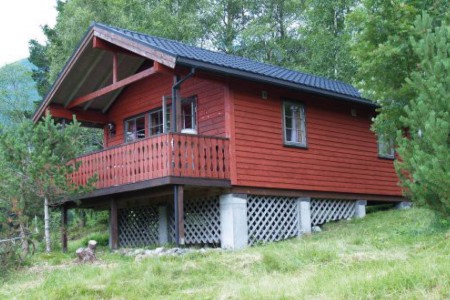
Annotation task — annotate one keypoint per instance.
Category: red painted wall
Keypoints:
(341, 154)
(147, 94)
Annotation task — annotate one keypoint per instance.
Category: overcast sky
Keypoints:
(20, 21)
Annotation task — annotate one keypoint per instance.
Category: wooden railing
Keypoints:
(171, 154)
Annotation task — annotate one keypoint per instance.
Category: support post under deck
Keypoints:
(178, 195)
(64, 228)
(114, 225)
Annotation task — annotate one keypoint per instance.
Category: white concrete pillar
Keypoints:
(163, 225)
(403, 205)
(233, 221)
(360, 209)
(304, 215)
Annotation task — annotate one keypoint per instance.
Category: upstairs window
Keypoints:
(135, 128)
(294, 122)
(188, 114)
(156, 122)
(386, 147)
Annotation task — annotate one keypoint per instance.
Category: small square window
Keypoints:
(386, 147)
(294, 122)
(135, 128)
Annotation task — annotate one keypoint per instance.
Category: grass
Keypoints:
(390, 254)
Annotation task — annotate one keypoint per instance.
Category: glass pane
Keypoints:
(140, 127)
(294, 123)
(156, 122)
(188, 114)
(130, 129)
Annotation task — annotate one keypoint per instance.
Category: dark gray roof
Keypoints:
(184, 52)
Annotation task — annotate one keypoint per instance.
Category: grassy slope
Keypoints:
(393, 254)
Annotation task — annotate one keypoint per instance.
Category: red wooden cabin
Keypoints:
(202, 146)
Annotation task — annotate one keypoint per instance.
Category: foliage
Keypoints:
(35, 166)
(384, 55)
(326, 39)
(17, 93)
(390, 254)
(424, 168)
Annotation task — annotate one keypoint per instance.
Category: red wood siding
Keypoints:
(341, 154)
(147, 94)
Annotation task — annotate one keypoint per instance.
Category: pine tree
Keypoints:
(424, 165)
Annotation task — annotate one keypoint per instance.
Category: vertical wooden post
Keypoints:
(64, 228)
(179, 214)
(115, 66)
(114, 225)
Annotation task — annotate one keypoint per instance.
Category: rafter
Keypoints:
(91, 116)
(111, 87)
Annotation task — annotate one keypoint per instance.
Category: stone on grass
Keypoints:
(316, 229)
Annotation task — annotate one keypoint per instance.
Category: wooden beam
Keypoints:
(64, 228)
(114, 225)
(115, 66)
(112, 87)
(98, 43)
(58, 111)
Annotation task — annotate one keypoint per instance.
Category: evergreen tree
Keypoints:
(424, 165)
(36, 169)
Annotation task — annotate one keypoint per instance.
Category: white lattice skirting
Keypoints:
(271, 218)
(138, 226)
(326, 210)
(201, 221)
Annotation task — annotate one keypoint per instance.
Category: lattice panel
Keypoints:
(201, 221)
(138, 226)
(271, 218)
(326, 210)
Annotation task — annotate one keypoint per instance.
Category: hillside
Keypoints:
(391, 254)
(17, 89)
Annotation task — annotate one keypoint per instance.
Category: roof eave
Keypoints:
(67, 67)
(267, 79)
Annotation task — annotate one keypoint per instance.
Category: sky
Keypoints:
(21, 21)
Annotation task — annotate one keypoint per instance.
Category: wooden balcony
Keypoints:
(167, 155)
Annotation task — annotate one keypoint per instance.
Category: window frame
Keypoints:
(150, 113)
(125, 127)
(380, 141)
(284, 102)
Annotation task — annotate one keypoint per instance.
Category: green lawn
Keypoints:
(391, 254)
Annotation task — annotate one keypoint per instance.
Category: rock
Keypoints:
(316, 229)
(158, 250)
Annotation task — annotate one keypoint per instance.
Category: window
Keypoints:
(156, 122)
(294, 124)
(385, 147)
(188, 114)
(135, 128)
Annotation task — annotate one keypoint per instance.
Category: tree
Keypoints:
(36, 165)
(17, 93)
(381, 31)
(271, 34)
(326, 39)
(424, 167)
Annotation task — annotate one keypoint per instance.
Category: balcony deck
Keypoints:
(164, 156)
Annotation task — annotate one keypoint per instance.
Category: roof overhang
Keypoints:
(88, 80)
(104, 56)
